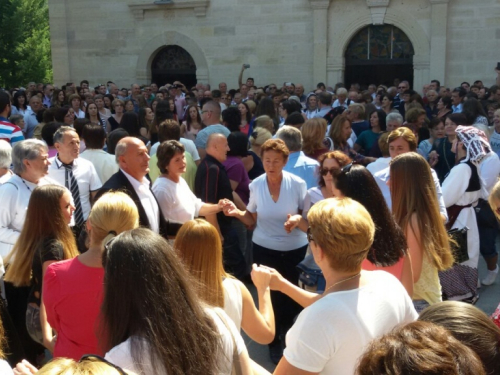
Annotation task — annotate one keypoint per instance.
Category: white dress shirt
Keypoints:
(85, 175)
(15, 195)
(147, 199)
(104, 163)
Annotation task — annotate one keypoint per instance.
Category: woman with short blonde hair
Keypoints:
(322, 340)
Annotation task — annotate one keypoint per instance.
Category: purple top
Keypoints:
(236, 172)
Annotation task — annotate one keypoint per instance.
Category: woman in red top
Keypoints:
(246, 116)
(72, 290)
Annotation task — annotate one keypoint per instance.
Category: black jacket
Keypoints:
(120, 182)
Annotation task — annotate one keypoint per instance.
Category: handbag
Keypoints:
(458, 244)
(310, 275)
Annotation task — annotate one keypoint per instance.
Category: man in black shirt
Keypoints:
(211, 185)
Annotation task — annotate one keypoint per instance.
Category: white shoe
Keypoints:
(490, 277)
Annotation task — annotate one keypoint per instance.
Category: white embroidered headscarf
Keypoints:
(475, 142)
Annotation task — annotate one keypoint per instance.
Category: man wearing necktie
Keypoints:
(77, 174)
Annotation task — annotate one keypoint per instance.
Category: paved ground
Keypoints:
(489, 298)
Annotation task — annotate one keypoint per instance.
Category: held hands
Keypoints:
(292, 222)
(24, 368)
(275, 280)
(229, 208)
(225, 204)
(260, 277)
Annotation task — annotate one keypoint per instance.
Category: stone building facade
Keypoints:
(300, 40)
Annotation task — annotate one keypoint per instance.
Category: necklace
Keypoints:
(341, 281)
(25, 184)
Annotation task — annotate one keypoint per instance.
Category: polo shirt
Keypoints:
(212, 184)
(304, 167)
(10, 132)
(104, 163)
(85, 175)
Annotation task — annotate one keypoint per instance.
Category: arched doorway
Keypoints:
(379, 54)
(173, 63)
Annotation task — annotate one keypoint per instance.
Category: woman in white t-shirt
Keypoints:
(176, 200)
(273, 197)
(153, 322)
(219, 289)
(357, 306)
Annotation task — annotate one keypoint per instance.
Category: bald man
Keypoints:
(211, 185)
(210, 116)
(132, 157)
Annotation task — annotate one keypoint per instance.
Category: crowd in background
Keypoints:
(134, 220)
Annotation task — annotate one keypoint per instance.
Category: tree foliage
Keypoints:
(25, 53)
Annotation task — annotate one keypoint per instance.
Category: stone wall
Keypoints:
(282, 40)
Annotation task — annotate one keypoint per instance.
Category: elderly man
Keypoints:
(210, 116)
(76, 174)
(132, 157)
(31, 162)
(298, 163)
(211, 185)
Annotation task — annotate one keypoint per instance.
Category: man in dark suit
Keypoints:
(133, 159)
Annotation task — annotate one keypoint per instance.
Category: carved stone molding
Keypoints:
(439, 1)
(319, 4)
(199, 7)
(378, 8)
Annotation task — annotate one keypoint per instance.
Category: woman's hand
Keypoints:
(261, 278)
(231, 210)
(25, 368)
(433, 158)
(226, 204)
(50, 343)
(292, 222)
(276, 279)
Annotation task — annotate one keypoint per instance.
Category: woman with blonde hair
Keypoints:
(87, 365)
(73, 289)
(45, 239)
(219, 289)
(416, 209)
(259, 136)
(313, 134)
(322, 339)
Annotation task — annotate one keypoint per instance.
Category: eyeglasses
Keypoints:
(97, 358)
(324, 171)
(309, 235)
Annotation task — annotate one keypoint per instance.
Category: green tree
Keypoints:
(25, 53)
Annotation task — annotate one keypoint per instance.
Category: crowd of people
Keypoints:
(133, 222)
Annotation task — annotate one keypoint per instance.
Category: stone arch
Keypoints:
(403, 21)
(157, 43)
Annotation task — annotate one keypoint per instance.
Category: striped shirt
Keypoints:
(10, 132)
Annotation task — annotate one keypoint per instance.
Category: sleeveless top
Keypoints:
(428, 286)
(114, 124)
(474, 182)
(233, 301)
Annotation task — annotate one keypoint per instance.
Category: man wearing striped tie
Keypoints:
(77, 174)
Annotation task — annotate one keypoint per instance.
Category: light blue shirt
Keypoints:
(30, 123)
(202, 136)
(304, 167)
(457, 108)
(271, 216)
(322, 112)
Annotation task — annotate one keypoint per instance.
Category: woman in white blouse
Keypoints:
(176, 200)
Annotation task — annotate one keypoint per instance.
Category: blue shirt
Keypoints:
(457, 108)
(305, 168)
(30, 123)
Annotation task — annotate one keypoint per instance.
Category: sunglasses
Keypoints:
(346, 169)
(324, 171)
(97, 358)
(309, 235)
